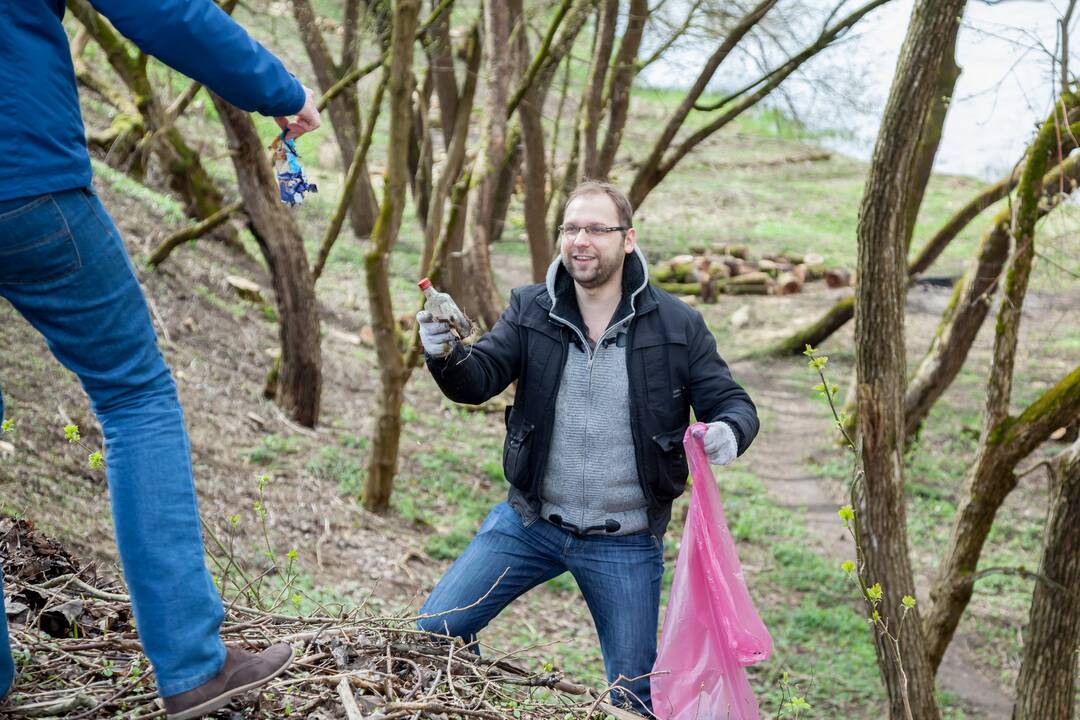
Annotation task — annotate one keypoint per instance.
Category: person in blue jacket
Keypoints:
(63, 266)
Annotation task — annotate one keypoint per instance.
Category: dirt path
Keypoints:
(793, 429)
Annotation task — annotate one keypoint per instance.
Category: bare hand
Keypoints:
(306, 120)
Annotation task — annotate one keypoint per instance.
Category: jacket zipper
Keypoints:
(589, 363)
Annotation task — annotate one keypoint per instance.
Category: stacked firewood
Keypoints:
(734, 270)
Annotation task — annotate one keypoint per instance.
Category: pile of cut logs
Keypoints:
(732, 269)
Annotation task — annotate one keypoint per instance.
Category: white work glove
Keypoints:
(720, 443)
(435, 335)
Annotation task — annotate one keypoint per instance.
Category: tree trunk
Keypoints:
(541, 243)
(604, 40)
(481, 299)
(534, 167)
(421, 170)
(344, 110)
(930, 138)
(441, 61)
(618, 88)
(989, 482)
(881, 517)
(970, 303)
(1005, 440)
(455, 153)
(1046, 687)
(352, 176)
(299, 381)
(505, 183)
(393, 374)
(537, 191)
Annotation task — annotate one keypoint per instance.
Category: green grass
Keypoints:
(339, 465)
(271, 448)
(123, 184)
(236, 308)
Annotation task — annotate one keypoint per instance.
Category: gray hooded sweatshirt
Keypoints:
(591, 480)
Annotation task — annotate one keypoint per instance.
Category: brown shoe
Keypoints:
(241, 672)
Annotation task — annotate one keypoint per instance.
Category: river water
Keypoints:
(1006, 51)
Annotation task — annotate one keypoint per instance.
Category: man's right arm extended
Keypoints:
(475, 373)
(200, 40)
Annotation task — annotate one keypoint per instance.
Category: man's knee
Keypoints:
(151, 388)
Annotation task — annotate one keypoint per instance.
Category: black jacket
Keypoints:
(672, 364)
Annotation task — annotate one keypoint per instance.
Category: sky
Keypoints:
(1005, 90)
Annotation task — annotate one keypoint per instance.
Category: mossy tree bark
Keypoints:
(880, 512)
(455, 154)
(1005, 440)
(970, 302)
(481, 298)
(393, 372)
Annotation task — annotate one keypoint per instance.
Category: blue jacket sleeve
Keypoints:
(200, 40)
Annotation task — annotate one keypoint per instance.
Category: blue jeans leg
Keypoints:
(620, 578)
(63, 266)
(504, 560)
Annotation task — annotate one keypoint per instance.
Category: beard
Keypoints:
(596, 272)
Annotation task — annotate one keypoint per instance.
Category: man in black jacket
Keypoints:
(608, 368)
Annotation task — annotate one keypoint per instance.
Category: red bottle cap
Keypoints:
(424, 284)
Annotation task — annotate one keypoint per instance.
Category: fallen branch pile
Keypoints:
(78, 657)
(733, 270)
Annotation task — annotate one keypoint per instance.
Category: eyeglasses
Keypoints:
(571, 231)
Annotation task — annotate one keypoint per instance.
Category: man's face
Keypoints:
(594, 259)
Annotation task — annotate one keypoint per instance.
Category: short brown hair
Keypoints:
(594, 187)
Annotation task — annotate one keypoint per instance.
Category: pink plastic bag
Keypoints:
(711, 630)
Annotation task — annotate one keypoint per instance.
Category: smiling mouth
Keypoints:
(582, 258)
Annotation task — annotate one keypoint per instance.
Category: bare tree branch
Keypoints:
(653, 171)
(357, 166)
(543, 56)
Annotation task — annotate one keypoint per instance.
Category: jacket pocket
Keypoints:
(663, 362)
(36, 245)
(671, 467)
(516, 449)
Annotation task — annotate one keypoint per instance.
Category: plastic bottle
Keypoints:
(442, 307)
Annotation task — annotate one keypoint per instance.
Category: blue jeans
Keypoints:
(63, 266)
(618, 575)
